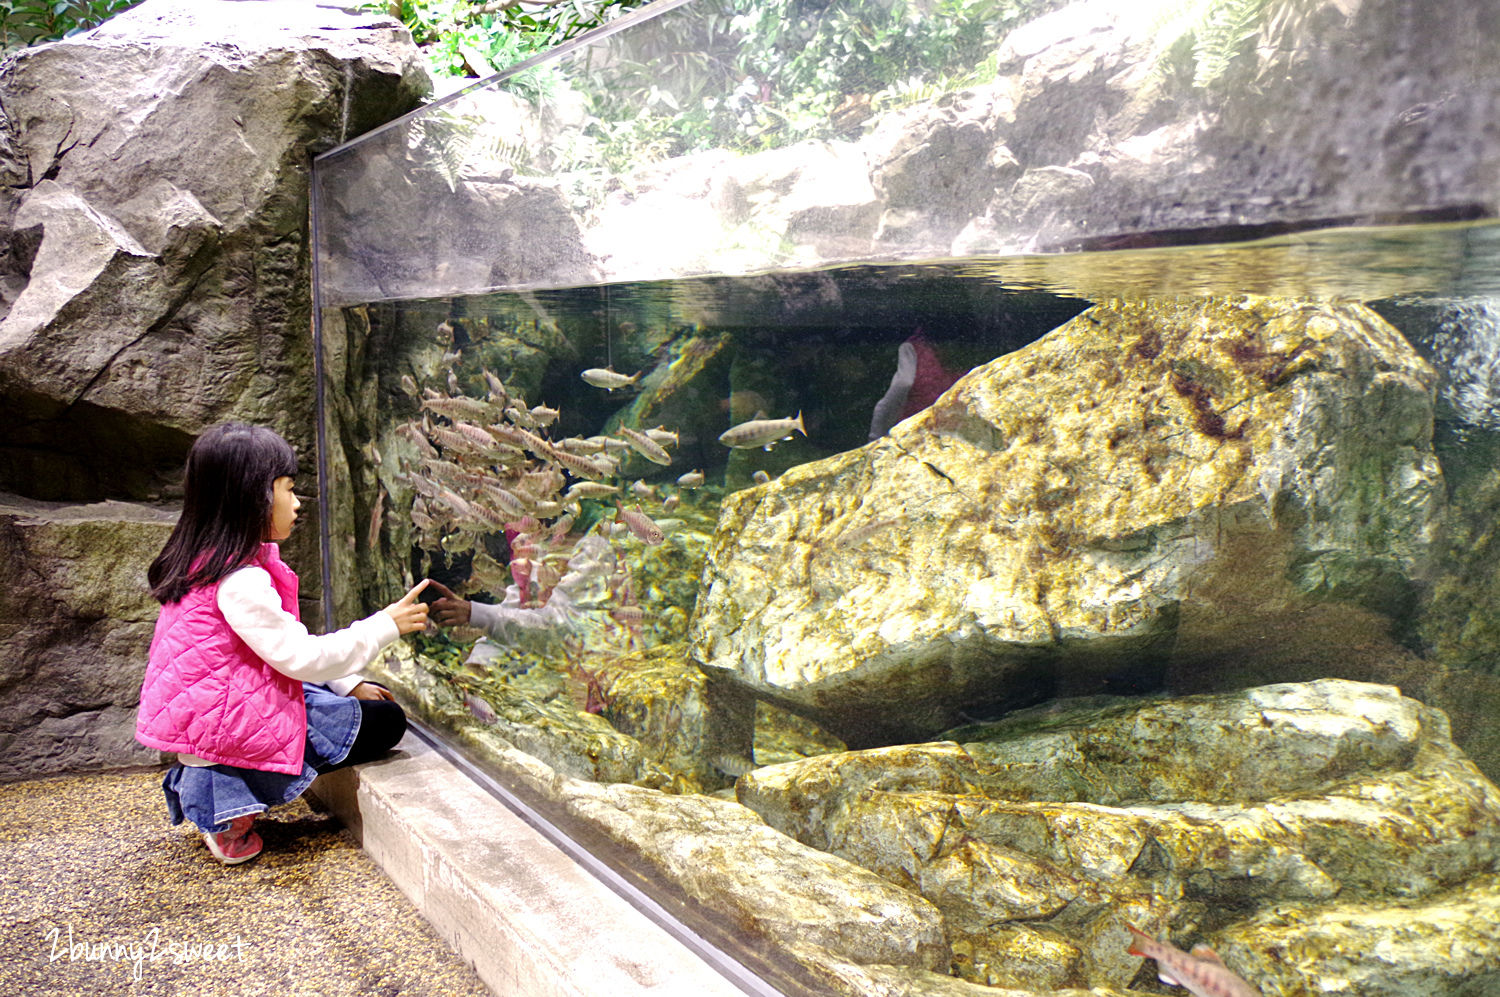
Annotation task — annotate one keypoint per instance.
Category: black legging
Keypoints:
(382, 724)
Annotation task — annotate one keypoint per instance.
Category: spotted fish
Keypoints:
(1201, 971)
(761, 432)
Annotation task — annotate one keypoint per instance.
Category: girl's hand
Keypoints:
(409, 614)
(369, 690)
(450, 610)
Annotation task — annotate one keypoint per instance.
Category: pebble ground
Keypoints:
(101, 896)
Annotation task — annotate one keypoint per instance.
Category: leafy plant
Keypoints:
(30, 22)
(1203, 41)
(454, 145)
(477, 38)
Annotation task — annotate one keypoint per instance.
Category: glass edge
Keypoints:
(761, 975)
(650, 11)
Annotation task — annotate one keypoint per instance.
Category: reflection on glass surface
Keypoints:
(907, 604)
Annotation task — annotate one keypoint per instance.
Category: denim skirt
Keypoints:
(213, 795)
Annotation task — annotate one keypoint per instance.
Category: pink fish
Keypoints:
(1202, 971)
(641, 525)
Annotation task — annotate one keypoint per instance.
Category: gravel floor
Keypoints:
(102, 896)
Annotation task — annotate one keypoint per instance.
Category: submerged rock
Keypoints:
(537, 714)
(816, 909)
(1272, 821)
(1163, 484)
(687, 724)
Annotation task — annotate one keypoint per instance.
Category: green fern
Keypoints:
(454, 146)
(441, 144)
(1220, 37)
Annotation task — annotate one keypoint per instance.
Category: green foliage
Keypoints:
(1204, 41)
(472, 38)
(453, 145)
(1223, 32)
(30, 22)
(755, 74)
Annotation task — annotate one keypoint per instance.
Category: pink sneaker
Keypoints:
(237, 844)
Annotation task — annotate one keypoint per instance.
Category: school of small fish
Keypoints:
(484, 466)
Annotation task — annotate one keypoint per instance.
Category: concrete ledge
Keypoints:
(523, 913)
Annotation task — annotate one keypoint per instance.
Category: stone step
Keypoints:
(530, 917)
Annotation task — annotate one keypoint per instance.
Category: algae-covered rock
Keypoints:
(541, 715)
(815, 908)
(1154, 485)
(785, 737)
(687, 724)
(1438, 946)
(1304, 807)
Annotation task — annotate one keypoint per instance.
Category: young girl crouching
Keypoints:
(253, 705)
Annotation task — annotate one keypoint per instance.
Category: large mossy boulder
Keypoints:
(1169, 487)
(1279, 823)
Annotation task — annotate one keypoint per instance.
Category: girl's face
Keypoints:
(284, 506)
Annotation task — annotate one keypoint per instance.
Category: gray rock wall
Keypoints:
(77, 622)
(154, 281)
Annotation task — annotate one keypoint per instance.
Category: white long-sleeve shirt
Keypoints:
(252, 608)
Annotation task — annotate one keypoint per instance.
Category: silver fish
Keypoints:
(761, 478)
(459, 407)
(497, 387)
(858, 535)
(489, 517)
(641, 525)
(627, 616)
(662, 435)
(1202, 971)
(761, 432)
(482, 711)
(452, 439)
(544, 416)
(589, 489)
(409, 385)
(692, 479)
(610, 444)
(414, 433)
(453, 501)
(646, 446)
(733, 766)
(504, 500)
(584, 466)
(482, 441)
(642, 490)
(608, 378)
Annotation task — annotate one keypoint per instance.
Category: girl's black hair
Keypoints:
(226, 507)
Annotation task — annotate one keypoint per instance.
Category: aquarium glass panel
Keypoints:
(964, 494)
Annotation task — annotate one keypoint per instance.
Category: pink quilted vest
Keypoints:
(207, 694)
